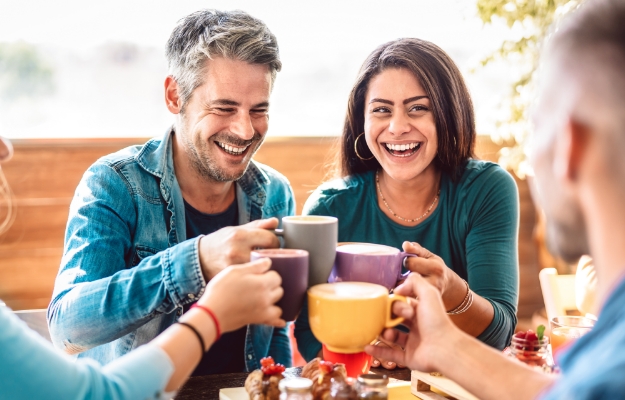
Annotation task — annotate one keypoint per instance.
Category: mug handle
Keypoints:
(392, 298)
(404, 256)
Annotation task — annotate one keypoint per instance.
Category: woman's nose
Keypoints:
(399, 124)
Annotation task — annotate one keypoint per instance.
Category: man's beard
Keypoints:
(568, 239)
(205, 164)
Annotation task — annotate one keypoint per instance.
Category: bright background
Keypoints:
(107, 65)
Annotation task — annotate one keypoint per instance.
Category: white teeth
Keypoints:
(231, 149)
(401, 147)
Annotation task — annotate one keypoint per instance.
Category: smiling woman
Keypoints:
(414, 182)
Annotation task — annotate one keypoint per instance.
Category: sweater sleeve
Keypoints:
(30, 368)
(492, 251)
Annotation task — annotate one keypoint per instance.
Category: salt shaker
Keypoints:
(372, 387)
(296, 389)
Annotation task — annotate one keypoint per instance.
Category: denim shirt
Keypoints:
(127, 266)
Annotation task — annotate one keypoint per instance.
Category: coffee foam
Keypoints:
(286, 253)
(367, 249)
(310, 219)
(348, 290)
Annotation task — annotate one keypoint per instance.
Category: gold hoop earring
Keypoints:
(356, 149)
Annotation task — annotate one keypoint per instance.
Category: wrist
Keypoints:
(203, 324)
(456, 294)
(214, 318)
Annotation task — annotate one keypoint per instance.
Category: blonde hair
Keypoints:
(6, 198)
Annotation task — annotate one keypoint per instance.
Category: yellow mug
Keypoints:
(347, 316)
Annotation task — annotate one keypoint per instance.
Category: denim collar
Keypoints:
(156, 157)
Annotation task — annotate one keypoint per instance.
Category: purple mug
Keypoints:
(368, 262)
(292, 266)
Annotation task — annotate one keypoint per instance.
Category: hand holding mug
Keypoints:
(430, 327)
(262, 289)
(233, 245)
(433, 269)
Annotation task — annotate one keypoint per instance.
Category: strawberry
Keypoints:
(274, 369)
(531, 337)
(267, 361)
(520, 335)
(326, 366)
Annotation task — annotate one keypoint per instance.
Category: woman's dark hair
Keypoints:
(449, 99)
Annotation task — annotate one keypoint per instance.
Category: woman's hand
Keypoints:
(433, 269)
(245, 294)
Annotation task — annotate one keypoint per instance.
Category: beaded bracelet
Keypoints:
(199, 337)
(213, 317)
(467, 302)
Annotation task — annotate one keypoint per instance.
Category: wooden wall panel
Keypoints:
(44, 175)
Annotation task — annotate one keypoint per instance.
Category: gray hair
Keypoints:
(208, 33)
(590, 51)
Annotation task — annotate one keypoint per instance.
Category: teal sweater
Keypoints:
(474, 229)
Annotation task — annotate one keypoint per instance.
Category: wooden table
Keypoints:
(207, 387)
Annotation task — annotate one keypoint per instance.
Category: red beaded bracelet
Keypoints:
(213, 317)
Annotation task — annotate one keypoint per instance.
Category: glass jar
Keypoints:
(296, 389)
(342, 389)
(372, 387)
(535, 353)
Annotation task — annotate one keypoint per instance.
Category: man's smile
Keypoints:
(232, 149)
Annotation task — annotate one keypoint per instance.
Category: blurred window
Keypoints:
(96, 69)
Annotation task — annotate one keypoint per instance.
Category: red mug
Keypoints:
(355, 363)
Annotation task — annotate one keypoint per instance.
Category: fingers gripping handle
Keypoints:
(404, 257)
(396, 321)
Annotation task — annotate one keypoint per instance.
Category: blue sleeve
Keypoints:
(280, 346)
(32, 369)
(307, 344)
(492, 251)
(97, 283)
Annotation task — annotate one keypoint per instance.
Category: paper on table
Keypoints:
(439, 382)
(396, 391)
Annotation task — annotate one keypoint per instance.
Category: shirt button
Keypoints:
(249, 356)
(191, 296)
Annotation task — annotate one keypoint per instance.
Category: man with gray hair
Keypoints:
(151, 224)
(579, 142)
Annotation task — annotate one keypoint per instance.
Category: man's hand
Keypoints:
(430, 327)
(232, 245)
(245, 294)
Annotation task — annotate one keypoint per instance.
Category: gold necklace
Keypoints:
(377, 184)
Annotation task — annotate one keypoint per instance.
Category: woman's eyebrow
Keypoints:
(381, 101)
(410, 100)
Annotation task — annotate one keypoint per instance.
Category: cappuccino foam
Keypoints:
(367, 249)
(348, 290)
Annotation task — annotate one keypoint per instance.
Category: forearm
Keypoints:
(476, 318)
(487, 373)
(183, 347)
(88, 314)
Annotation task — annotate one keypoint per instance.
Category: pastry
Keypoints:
(321, 373)
(262, 384)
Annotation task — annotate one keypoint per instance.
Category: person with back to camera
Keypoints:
(408, 176)
(30, 368)
(577, 157)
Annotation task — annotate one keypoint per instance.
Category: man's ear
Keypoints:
(573, 148)
(172, 99)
